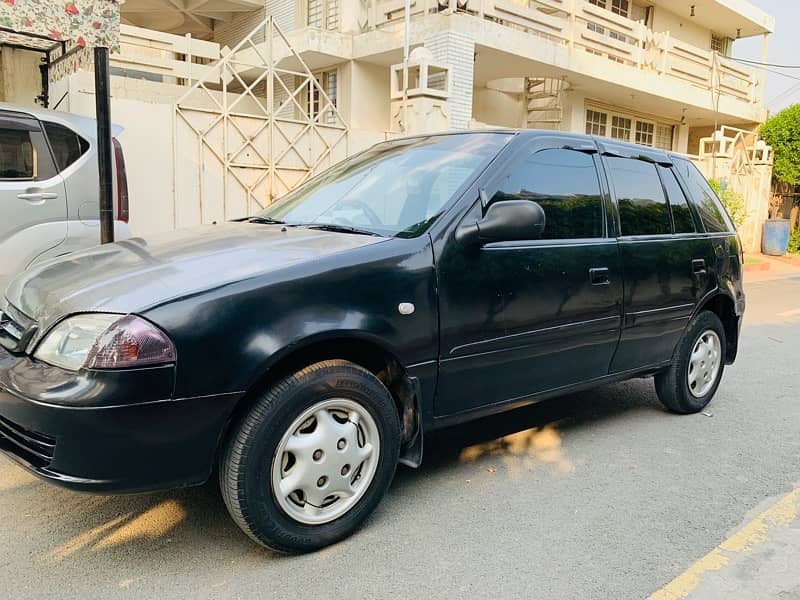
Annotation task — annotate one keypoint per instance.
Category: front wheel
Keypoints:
(312, 458)
(688, 385)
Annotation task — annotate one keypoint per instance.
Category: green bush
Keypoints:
(794, 242)
(782, 132)
(733, 202)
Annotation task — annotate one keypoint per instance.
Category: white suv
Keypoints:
(49, 192)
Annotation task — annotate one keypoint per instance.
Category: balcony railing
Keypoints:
(162, 56)
(588, 28)
(148, 54)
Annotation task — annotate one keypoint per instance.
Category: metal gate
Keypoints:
(254, 127)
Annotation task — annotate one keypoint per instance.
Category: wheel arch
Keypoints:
(722, 305)
(361, 349)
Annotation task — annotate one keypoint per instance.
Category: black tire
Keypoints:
(245, 465)
(672, 385)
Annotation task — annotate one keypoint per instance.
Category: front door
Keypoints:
(519, 318)
(33, 203)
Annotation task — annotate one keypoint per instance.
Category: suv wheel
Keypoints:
(313, 457)
(688, 385)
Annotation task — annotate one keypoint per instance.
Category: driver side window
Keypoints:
(565, 184)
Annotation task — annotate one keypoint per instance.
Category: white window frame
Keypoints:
(329, 81)
(621, 8)
(325, 14)
(722, 41)
(614, 122)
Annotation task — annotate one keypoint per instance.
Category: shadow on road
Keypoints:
(63, 526)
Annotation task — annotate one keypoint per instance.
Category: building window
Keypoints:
(664, 137)
(628, 128)
(596, 122)
(616, 35)
(720, 44)
(620, 128)
(327, 80)
(620, 7)
(596, 28)
(645, 133)
(323, 14)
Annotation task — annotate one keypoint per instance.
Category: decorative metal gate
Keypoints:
(254, 127)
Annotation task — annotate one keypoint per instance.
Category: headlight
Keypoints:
(105, 341)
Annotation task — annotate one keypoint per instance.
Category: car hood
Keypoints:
(135, 274)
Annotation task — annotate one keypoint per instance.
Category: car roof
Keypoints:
(86, 126)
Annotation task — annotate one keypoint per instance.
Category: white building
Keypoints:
(221, 113)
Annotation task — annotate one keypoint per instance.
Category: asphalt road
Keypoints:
(596, 495)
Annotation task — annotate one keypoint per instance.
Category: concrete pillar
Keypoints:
(456, 51)
(680, 143)
(574, 112)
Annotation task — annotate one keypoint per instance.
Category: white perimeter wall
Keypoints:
(147, 142)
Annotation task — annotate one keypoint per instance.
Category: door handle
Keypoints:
(599, 276)
(699, 266)
(37, 196)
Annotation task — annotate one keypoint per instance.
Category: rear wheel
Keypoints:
(313, 458)
(690, 383)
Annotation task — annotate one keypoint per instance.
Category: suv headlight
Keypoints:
(105, 341)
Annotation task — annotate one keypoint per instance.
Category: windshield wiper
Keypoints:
(339, 228)
(266, 221)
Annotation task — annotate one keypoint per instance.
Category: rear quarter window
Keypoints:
(67, 146)
(703, 198)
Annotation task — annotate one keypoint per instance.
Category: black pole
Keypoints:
(104, 144)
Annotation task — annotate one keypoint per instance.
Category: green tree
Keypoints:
(782, 132)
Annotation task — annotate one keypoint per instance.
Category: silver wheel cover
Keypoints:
(325, 461)
(704, 363)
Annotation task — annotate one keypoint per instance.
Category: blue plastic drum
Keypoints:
(776, 237)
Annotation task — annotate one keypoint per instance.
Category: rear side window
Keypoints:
(565, 184)
(17, 156)
(703, 198)
(24, 154)
(681, 214)
(67, 145)
(640, 197)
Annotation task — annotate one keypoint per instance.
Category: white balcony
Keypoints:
(565, 32)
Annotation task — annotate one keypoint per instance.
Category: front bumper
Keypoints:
(113, 432)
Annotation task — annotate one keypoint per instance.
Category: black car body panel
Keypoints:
(490, 328)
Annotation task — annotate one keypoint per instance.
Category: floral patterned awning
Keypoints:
(42, 23)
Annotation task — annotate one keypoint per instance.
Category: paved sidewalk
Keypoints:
(771, 267)
(760, 560)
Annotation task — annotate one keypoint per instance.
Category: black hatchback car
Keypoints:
(421, 283)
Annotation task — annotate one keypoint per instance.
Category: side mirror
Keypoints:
(505, 221)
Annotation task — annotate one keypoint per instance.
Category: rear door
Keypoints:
(665, 259)
(76, 161)
(33, 203)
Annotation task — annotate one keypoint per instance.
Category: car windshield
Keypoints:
(395, 188)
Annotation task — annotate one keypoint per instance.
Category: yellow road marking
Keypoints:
(755, 532)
